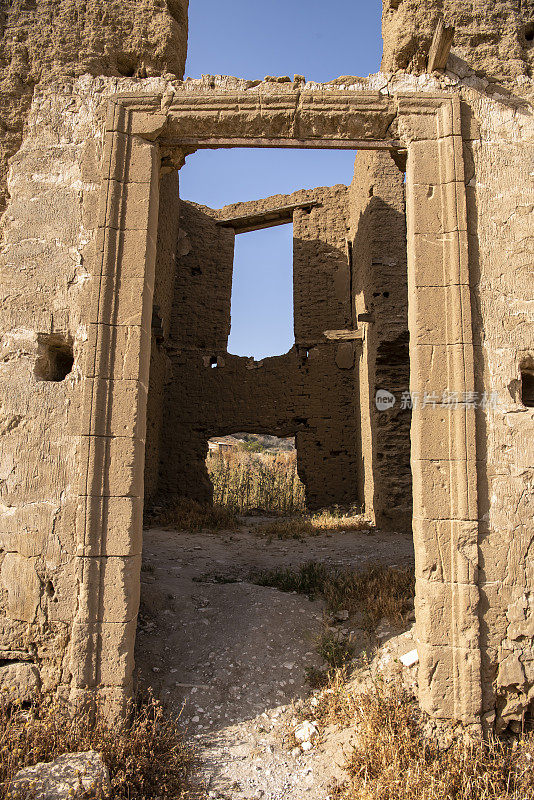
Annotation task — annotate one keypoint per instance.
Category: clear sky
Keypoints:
(250, 39)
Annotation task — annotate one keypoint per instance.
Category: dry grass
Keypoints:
(395, 761)
(244, 482)
(377, 591)
(189, 515)
(148, 759)
(314, 525)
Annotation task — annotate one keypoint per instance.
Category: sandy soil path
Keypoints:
(231, 657)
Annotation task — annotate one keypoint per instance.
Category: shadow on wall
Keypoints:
(381, 290)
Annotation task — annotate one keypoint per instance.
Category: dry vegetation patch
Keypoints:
(244, 481)
(314, 525)
(395, 760)
(378, 591)
(147, 759)
(186, 514)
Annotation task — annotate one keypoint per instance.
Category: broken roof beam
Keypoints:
(265, 219)
(441, 46)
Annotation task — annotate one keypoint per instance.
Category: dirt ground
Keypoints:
(231, 657)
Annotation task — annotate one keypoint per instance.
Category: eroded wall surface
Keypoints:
(494, 38)
(43, 39)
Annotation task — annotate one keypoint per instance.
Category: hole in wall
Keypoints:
(527, 387)
(528, 33)
(126, 65)
(55, 357)
(214, 363)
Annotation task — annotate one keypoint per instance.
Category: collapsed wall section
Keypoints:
(308, 392)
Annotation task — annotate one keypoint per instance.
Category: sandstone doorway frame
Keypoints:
(141, 140)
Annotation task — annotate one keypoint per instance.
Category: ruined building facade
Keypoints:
(115, 318)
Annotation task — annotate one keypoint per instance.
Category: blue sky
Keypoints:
(251, 40)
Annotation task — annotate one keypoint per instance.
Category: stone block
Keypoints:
(110, 589)
(20, 580)
(449, 682)
(443, 432)
(26, 528)
(438, 260)
(19, 681)
(147, 124)
(110, 526)
(444, 489)
(122, 301)
(68, 776)
(447, 614)
(102, 653)
(446, 550)
(117, 408)
(436, 369)
(115, 466)
(440, 315)
(423, 165)
(117, 352)
(129, 159)
(424, 212)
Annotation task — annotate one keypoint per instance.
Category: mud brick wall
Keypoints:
(494, 37)
(308, 393)
(41, 40)
(377, 205)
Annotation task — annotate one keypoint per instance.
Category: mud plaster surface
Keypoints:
(231, 658)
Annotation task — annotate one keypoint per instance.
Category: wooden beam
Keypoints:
(440, 47)
(265, 219)
(344, 336)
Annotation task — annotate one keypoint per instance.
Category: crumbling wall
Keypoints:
(41, 40)
(491, 67)
(46, 279)
(494, 37)
(381, 296)
(308, 393)
(499, 145)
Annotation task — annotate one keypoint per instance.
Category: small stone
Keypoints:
(306, 746)
(305, 731)
(296, 752)
(342, 615)
(409, 659)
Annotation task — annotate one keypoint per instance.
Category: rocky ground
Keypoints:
(232, 658)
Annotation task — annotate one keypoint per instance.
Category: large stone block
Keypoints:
(446, 550)
(115, 466)
(102, 653)
(116, 600)
(110, 526)
(20, 580)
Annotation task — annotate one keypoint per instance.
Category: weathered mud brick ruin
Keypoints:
(115, 317)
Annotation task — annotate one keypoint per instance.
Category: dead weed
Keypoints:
(146, 759)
